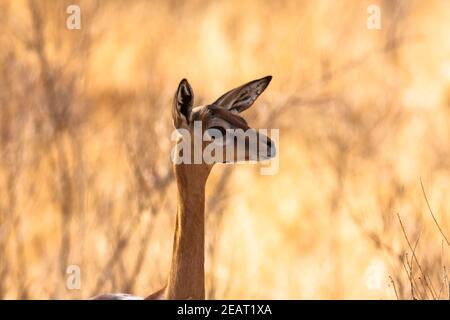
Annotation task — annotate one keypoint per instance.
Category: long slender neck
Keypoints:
(187, 272)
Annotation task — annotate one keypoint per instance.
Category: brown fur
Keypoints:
(187, 272)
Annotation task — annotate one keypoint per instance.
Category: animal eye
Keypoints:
(217, 128)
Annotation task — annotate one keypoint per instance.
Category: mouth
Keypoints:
(269, 152)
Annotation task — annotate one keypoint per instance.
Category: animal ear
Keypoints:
(242, 98)
(182, 104)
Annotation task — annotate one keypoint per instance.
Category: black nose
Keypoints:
(271, 150)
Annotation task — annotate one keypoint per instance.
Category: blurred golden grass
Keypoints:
(85, 176)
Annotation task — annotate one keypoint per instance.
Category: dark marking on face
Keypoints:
(230, 117)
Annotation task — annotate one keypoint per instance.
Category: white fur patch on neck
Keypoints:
(117, 296)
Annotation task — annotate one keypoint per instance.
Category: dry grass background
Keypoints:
(85, 175)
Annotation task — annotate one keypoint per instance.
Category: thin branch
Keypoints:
(428, 283)
(393, 285)
(431, 212)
